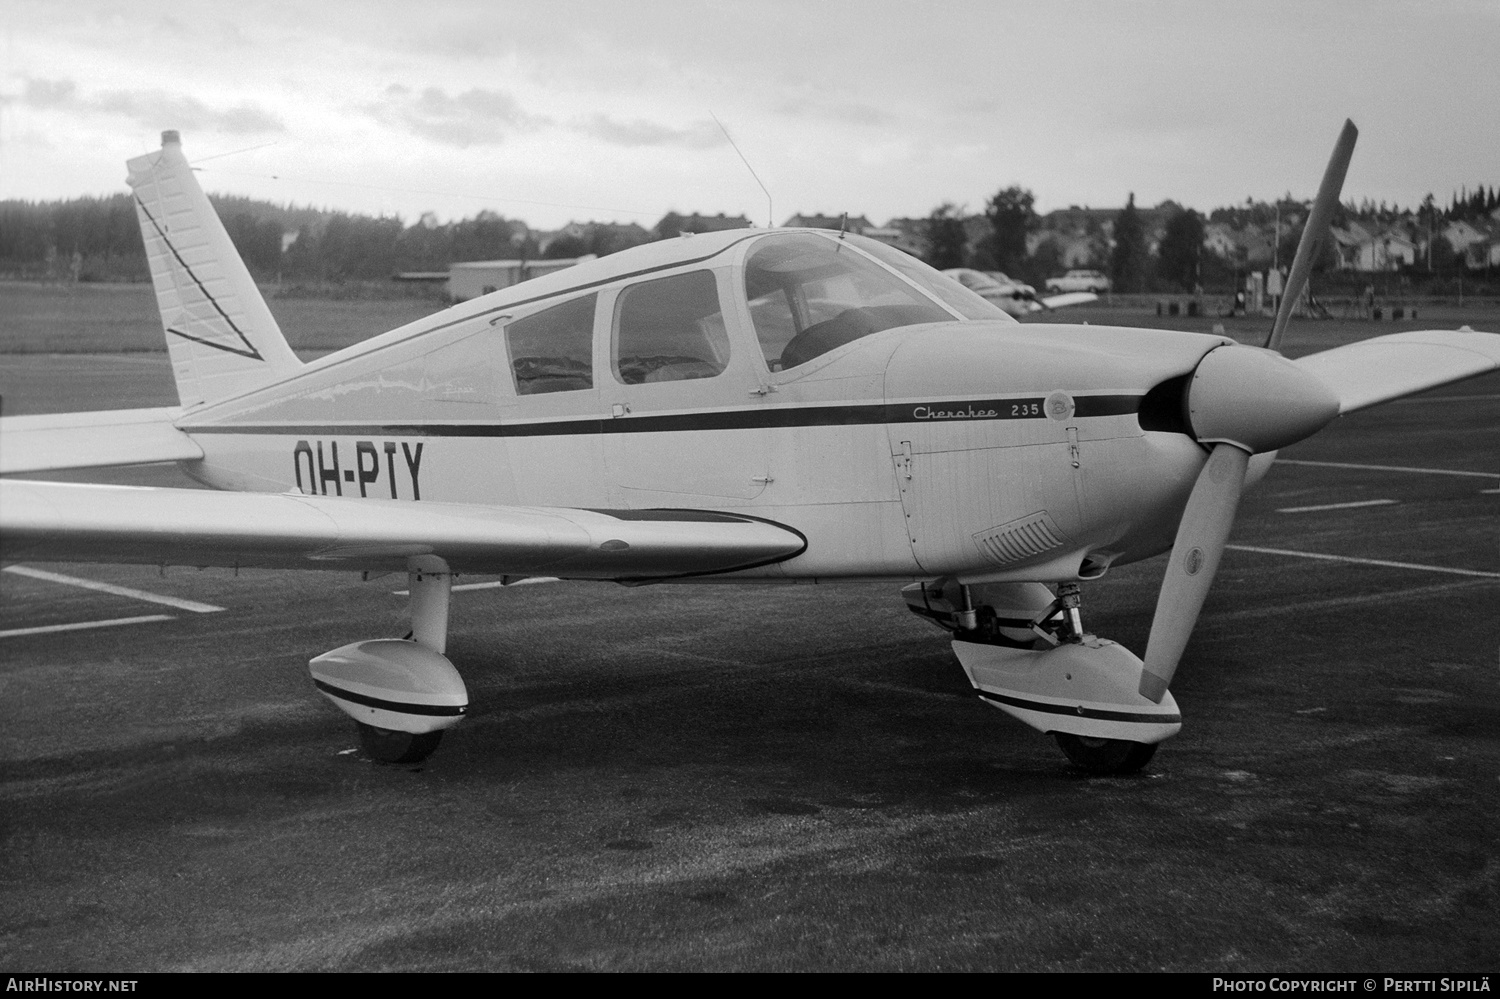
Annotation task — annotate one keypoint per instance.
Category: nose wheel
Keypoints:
(1105, 756)
(384, 745)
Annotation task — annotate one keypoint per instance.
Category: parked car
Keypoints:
(1094, 281)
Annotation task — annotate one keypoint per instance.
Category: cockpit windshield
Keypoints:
(809, 294)
(961, 299)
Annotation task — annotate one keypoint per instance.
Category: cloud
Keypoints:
(45, 94)
(472, 118)
(699, 135)
(846, 112)
(153, 108)
(158, 109)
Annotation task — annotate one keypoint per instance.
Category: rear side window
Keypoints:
(670, 330)
(553, 350)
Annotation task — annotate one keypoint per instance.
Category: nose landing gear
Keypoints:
(1026, 652)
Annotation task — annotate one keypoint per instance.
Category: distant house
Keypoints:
(848, 223)
(1461, 234)
(1258, 247)
(903, 234)
(673, 224)
(1346, 245)
(1362, 247)
(1219, 239)
(480, 277)
(1484, 251)
(601, 237)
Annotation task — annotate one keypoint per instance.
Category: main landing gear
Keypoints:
(1025, 651)
(402, 694)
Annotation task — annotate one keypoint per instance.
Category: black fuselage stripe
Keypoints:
(402, 707)
(1079, 711)
(975, 411)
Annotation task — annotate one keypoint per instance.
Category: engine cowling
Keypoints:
(393, 684)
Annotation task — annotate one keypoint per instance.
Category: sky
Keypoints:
(571, 110)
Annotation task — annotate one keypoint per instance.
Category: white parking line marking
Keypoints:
(1388, 468)
(1334, 506)
(119, 591)
(81, 625)
(1365, 561)
(493, 584)
(1339, 603)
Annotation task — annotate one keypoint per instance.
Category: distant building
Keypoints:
(904, 234)
(848, 223)
(602, 238)
(1484, 251)
(480, 277)
(673, 224)
(1219, 239)
(1362, 247)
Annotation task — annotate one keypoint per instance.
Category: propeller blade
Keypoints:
(1316, 230)
(1201, 537)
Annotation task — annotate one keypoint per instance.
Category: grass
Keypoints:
(122, 318)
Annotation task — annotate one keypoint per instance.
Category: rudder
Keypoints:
(220, 334)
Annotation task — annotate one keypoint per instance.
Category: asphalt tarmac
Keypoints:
(776, 778)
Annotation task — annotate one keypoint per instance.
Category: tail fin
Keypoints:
(220, 334)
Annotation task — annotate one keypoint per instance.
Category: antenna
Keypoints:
(232, 152)
(770, 209)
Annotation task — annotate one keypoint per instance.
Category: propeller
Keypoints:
(1243, 401)
(1316, 230)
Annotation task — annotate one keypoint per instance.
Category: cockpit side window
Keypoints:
(553, 350)
(670, 329)
(808, 295)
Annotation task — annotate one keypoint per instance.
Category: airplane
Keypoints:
(753, 405)
(1014, 297)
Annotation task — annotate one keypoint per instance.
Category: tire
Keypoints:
(385, 746)
(1105, 756)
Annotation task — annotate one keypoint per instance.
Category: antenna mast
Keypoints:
(770, 209)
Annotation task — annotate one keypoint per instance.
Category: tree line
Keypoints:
(98, 239)
(1176, 259)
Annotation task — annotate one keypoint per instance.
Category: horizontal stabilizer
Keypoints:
(75, 522)
(1388, 367)
(57, 441)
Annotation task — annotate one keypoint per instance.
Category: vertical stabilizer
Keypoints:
(220, 334)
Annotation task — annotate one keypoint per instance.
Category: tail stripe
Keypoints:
(249, 350)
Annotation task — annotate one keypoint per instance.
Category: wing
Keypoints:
(93, 440)
(1069, 298)
(68, 522)
(1388, 367)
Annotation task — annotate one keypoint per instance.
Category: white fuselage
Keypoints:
(919, 451)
